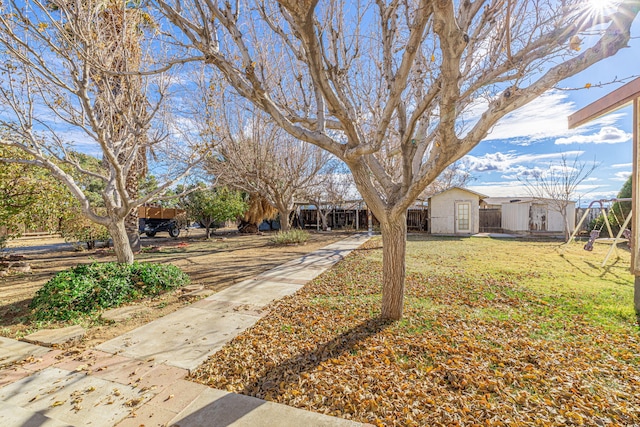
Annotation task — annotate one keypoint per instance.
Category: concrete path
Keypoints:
(499, 235)
(138, 378)
(16, 351)
(39, 249)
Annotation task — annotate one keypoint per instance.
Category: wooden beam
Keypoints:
(608, 103)
(635, 207)
(635, 191)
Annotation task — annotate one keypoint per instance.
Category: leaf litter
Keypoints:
(468, 352)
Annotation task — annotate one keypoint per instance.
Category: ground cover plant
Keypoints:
(496, 332)
(86, 288)
(290, 237)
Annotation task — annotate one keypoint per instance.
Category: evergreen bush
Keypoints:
(86, 288)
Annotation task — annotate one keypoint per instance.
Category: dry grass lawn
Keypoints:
(495, 333)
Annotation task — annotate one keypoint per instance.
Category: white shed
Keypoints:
(532, 215)
(454, 211)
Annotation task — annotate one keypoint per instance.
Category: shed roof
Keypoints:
(503, 200)
(481, 196)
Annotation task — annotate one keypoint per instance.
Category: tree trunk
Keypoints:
(284, 219)
(394, 243)
(208, 231)
(121, 245)
(565, 230)
(324, 220)
(132, 227)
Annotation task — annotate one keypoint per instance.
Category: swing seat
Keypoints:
(592, 238)
(627, 235)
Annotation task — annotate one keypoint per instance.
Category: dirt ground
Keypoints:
(217, 263)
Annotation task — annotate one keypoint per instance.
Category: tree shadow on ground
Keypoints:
(228, 408)
(369, 248)
(288, 372)
(15, 312)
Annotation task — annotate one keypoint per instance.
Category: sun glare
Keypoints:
(600, 7)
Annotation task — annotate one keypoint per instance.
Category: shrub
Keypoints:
(90, 287)
(290, 237)
(616, 217)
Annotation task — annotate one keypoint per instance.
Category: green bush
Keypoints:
(616, 217)
(90, 287)
(290, 237)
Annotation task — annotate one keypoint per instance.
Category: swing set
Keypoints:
(623, 235)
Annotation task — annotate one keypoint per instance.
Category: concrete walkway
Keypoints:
(138, 378)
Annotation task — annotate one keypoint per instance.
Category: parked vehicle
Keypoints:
(157, 219)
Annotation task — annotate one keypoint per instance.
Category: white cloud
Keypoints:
(606, 135)
(622, 165)
(621, 176)
(603, 195)
(511, 162)
(545, 117)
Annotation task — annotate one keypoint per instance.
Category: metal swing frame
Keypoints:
(615, 240)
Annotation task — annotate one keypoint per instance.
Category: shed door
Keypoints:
(538, 217)
(463, 217)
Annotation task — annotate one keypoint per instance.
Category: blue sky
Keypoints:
(536, 136)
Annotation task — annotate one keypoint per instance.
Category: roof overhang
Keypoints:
(619, 98)
(481, 196)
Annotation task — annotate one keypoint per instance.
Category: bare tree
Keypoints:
(398, 90)
(65, 70)
(329, 190)
(453, 176)
(557, 185)
(257, 156)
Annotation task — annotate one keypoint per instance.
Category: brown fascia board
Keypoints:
(608, 103)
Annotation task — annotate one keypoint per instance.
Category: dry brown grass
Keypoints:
(494, 333)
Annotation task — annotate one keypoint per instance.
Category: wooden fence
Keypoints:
(490, 220)
(417, 219)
